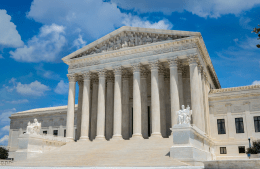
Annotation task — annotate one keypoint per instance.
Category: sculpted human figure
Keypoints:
(148, 40)
(33, 128)
(184, 115)
(132, 40)
(118, 43)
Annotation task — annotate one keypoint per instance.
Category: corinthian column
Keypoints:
(195, 91)
(162, 99)
(125, 105)
(155, 101)
(144, 74)
(71, 107)
(93, 121)
(79, 112)
(101, 106)
(117, 104)
(109, 104)
(85, 107)
(200, 70)
(175, 103)
(180, 84)
(137, 116)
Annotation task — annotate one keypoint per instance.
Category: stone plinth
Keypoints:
(190, 144)
(232, 164)
(31, 145)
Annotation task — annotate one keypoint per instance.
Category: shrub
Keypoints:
(3, 153)
(255, 148)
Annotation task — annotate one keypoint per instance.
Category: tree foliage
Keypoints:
(3, 153)
(257, 31)
(255, 148)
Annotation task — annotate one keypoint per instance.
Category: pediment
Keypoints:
(127, 37)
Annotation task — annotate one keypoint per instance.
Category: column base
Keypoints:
(137, 136)
(156, 135)
(82, 139)
(117, 137)
(100, 138)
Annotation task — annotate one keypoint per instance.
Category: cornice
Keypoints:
(234, 89)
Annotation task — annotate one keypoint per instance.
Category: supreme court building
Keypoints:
(131, 84)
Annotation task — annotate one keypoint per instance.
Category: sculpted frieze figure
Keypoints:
(184, 115)
(118, 43)
(33, 128)
(148, 40)
(132, 40)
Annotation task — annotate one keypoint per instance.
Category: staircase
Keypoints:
(120, 153)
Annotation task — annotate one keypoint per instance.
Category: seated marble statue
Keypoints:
(184, 115)
(33, 128)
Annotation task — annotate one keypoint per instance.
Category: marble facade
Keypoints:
(131, 84)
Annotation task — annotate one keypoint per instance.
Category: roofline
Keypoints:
(128, 28)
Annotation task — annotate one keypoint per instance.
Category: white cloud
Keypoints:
(4, 140)
(44, 47)
(79, 42)
(244, 22)
(35, 88)
(6, 128)
(4, 116)
(9, 36)
(1, 56)
(93, 17)
(18, 101)
(202, 8)
(62, 88)
(138, 22)
(257, 82)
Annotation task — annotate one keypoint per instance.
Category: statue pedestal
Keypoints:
(31, 145)
(190, 144)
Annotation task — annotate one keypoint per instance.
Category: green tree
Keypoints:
(255, 148)
(3, 153)
(257, 31)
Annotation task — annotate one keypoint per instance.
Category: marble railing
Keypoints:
(234, 89)
(5, 162)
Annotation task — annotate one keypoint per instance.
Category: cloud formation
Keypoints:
(6, 128)
(4, 140)
(44, 47)
(4, 116)
(34, 89)
(9, 36)
(256, 82)
(62, 88)
(18, 101)
(202, 8)
(46, 73)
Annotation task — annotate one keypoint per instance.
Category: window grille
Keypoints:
(257, 123)
(239, 125)
(55, 132)
(221, 126)
(223, 150)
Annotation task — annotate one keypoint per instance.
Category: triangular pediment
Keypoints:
(126, 37)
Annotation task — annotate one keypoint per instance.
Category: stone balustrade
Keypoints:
(5, 162)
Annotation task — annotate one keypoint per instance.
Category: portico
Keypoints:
(124, 87)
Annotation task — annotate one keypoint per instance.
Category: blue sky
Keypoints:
(35, 35)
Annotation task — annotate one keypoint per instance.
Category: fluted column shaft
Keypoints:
(117, 104)
(162, 99)
(109, 105)
(175, 102)
(180, 85)
(144, 74)
(94, 102)
(195, 92)
(201, 99)
(85, 107)
(71, 107)
(137, 111)
(79, 112)
(125, 106)
(101, 106)
(155, 101)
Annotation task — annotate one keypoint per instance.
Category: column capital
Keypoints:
(117, 71)
(80, 81)
(125, 74)
(144, 72)
(161, 69)
(136, 67)
(173, 62)
(110, 76)
(94, 78)
(102, 73)
(193, 59)
(86, 75)
(180, 67)
(72, 77)
(154, 65)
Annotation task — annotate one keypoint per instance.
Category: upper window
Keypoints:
(221, 126)
(223, 150)
(257, 123)
(241, 149)
(55, 132)
(44, 132)
(239, 125)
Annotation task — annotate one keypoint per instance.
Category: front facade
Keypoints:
(134, 80)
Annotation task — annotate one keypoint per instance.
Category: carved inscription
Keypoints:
(256, 107)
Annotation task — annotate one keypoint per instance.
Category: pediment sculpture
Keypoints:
(128, 39)
(184, 115)
(33, 128)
